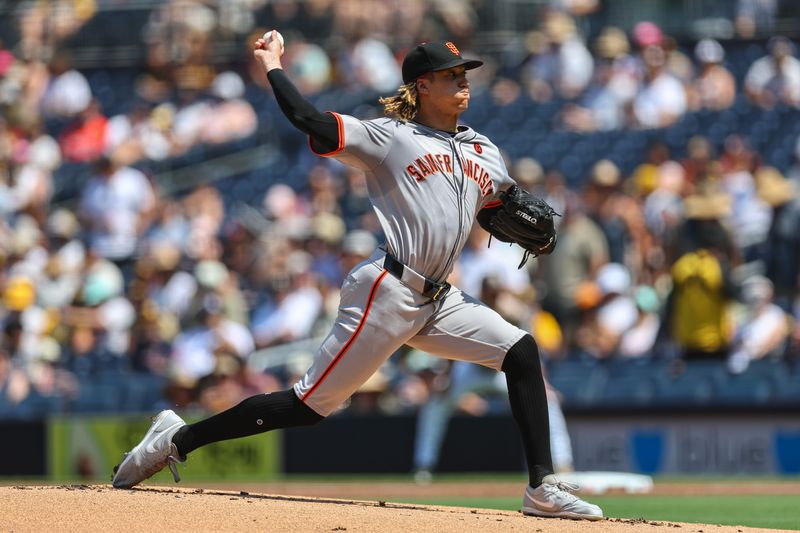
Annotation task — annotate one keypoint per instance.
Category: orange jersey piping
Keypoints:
(352, 339)
(340, 129)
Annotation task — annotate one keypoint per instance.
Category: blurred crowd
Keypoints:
(689, 256)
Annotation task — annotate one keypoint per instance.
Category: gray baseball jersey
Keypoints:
(426, 187)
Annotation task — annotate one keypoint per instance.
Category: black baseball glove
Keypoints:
(524, 219)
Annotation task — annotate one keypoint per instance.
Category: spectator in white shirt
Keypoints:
(615, 81)
(566, 66)
(292, 313)
(616, 314)
(68, 93)
(116, 207)
(762, 330)
(775, 78)
(661, 99)
(196, 350)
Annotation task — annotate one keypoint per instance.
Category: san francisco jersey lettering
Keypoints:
(426, 185)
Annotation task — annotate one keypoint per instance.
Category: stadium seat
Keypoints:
(687, 390)
(627, 390)
(708, 368)
(97, 397)
(769, 367)
(787, 387)
(34, 406)
(142, 392)
(579, 382)
(643, 367)
(743, 390)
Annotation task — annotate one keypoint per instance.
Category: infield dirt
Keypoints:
(95, 508)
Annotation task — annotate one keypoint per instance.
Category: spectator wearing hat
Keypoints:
(714, 87)
(646, 33)
(698, 306)
(616, 313)
(704, 225)
(231, 117)
(619, 216)
(775, 78)
(566, 64)
(613, 86)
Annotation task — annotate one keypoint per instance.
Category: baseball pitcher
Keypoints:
(428, 179)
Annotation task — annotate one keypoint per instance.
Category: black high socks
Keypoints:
(528, 398)
(257, 414)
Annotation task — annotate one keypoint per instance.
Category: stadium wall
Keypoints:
(87, 447)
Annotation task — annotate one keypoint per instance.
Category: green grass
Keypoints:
(778, 512)
(767, 511)
(772, 511)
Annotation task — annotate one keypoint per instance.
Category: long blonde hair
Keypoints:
(404, 104)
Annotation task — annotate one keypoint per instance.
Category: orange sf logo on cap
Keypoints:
(452, 48)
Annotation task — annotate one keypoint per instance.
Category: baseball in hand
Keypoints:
(273, 34)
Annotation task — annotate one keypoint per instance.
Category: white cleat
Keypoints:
(552, 499)
(152, 454)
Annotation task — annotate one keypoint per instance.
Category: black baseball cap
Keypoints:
(428, 57)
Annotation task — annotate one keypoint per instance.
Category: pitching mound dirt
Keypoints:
(90, 508)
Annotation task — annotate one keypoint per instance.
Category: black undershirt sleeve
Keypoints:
(322, 128)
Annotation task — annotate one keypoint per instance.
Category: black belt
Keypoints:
(426, 287)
